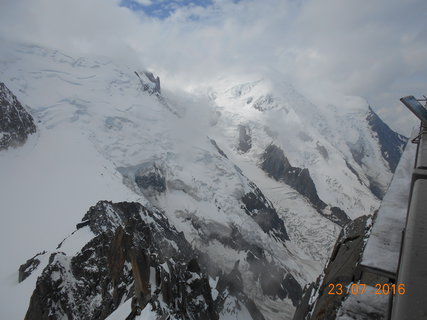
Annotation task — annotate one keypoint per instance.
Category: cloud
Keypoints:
(376, 50)
(145, 2)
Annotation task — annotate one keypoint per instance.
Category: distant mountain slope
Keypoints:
(391, 142)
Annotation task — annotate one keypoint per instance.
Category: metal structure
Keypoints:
(416, 107)
(412, 270)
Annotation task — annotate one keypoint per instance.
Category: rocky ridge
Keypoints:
(134, 255)
(16, 123)
(277, 166)
(319, 302)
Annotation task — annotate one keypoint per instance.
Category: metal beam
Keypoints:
(416, 108)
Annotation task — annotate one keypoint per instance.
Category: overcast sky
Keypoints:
(375, 49)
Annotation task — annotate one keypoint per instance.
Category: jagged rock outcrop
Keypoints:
(151, 85)
(265, 103)
(245, 139)
(275, 163)
(148, 178)
(28, 267)
(262, 211)
(339, 216)
(134, 254)
(391, 143)
(316, 303)
(149, 82)
(277, 166)
(218, 148)
(16, 124)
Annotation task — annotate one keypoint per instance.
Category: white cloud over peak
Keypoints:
(376, 49)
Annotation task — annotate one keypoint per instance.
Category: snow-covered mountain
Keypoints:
(256, 178)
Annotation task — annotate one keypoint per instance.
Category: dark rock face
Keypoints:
(151, 85)
(275, 282)
(233, 280)
(274, 162)
(263, 212)
(301, 181)
(341, 268)
(151, 179)
(16, 124)
(149, 82)
(245, 140)
(277, 166)
(134, 254)
(155, 80)
(376, 189)
(28, 267)
(350, 167)
(392, 143)
(339, 216)
(322, 150)
(218, 148)
(148, 178)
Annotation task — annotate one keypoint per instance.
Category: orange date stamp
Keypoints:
(360, 288)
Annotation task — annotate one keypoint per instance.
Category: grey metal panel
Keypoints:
(382, 250)
(413, 265)
(422, 153)
(417, 108)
